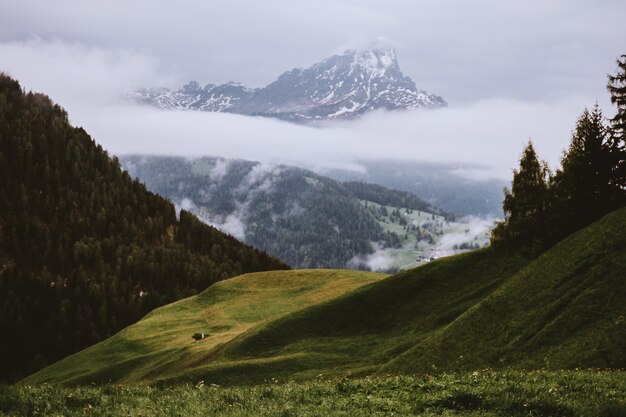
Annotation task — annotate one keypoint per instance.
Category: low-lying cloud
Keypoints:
(377, 261)
(475, 229)
(75, 74)
(90, 83)
(232, 223)
(260, 179)
(489, 134)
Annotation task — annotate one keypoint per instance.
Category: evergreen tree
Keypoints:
(590, 183)
(582, 186)
(617, 130)
(525, 205)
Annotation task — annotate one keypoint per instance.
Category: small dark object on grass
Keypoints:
(199, 336)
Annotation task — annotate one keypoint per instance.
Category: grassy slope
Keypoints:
(362, 330)
(161, 342)
(567, 309)
(481, 309)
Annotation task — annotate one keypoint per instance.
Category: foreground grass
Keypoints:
(485, 393)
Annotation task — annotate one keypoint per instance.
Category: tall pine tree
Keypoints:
(581, 188)
(617, 130)
(525, 205)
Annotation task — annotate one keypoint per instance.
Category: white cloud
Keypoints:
(474, 228)
(75, 74)
(233, 226)
(231, 223)
(260, 178)
(220, 169)
(378, 261)
(186, 204)
(490, 133)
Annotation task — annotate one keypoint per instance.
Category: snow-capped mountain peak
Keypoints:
(375, 61)
(340, 86)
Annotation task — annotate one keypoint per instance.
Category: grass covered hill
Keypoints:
(482, 309)
(160, 344)
(84, 249)
(565, 309)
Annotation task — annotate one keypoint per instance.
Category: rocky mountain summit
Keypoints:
(339, 87)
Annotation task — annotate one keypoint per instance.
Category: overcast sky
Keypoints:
(509, 70)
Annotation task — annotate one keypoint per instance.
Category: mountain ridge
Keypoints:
(339, 87)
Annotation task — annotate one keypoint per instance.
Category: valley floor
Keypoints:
(483, 393)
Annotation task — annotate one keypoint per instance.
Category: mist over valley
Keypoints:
(309, 220)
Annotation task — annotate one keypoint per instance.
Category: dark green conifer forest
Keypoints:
(544, 207)
(84, 249)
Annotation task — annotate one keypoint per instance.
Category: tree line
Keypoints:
(543, 207)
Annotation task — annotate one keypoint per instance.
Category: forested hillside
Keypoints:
(84, 249)
(307, 220)
(388, 197)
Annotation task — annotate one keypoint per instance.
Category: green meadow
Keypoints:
(480, 393)
(161, 343)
